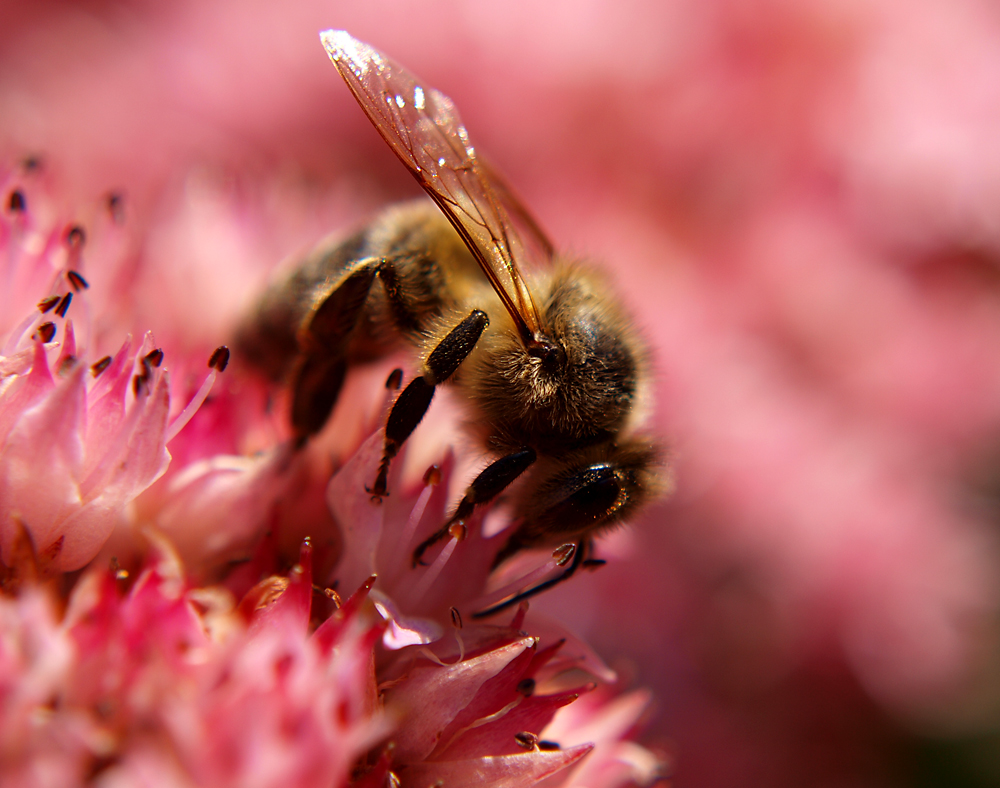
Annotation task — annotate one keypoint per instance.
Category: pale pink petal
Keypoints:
(217, 507)
(44, 445)
(21, 392)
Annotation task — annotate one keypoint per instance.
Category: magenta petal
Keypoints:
(67, 353)
(433, 696)
(16, 363)
(496, 694)
(502, 771)
(145, 456)
(598, 719)
(290, 611)
(497, 737)
(328, 633)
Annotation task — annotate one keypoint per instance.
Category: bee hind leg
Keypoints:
(492, 481)
(323, 339)
(411, 405)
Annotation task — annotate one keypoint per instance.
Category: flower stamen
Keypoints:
(217, 362)
(435, 569)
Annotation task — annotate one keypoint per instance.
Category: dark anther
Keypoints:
(116, 569)
(548, 746)
(432, 476)
(551, 354)
(593, 563)
(526, 687)
(139, 383)
(115, 204)
(46, 331)
(75, 237)
(154, 357)
(48, 304)
(526, 740)
(219, 359)
(395, 379)
(64, 303)
(16, 203)
(67, 364)
(456, 618)
(31, 163)
(563, 554)
(76, 281)
(333, 596)
(99, 366)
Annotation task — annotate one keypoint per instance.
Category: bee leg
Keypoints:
(323, 338)
(411, 405)
(492, 481)
(574, 504)
(575, 559)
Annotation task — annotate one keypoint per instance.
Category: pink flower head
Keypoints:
(203, 655)
(95, 429)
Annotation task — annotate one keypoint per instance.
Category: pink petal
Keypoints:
(40, 466)
(403, 630)
(502, 771)
(328, 633)
(497, 737)
(144, 461)
(290, 610)
(433, 696)
(493, 696)
(360, 519)
(217, 508)
(24, 391)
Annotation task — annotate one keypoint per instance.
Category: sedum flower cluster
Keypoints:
(221, 619)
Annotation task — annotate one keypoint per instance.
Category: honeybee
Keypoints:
(549, 366)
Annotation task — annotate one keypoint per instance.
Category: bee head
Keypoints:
(574, 380)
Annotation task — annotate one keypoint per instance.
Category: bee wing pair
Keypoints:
(423, 128)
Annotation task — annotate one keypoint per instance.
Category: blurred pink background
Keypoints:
(800, 200)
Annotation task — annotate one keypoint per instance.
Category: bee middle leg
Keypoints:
(411, 405)
(326, 334)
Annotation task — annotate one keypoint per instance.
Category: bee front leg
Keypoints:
(575, 559)
(576, 502)
(411, 405)
(492, 481)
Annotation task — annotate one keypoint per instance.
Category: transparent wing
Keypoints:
(422, 126)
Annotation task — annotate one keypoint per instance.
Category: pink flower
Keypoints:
(202, 656)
